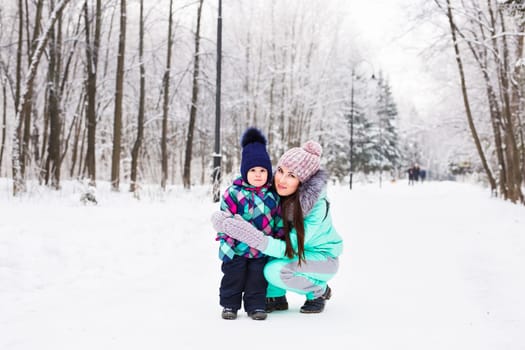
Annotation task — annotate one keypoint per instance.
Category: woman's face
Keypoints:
(286, 182)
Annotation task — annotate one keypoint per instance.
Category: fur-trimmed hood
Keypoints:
(311, 190)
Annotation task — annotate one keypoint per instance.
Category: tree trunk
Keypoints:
(194, 101)
(119, 93)
(515, 112)
(4, 122)
(92, 47)
(82, 166)
(53, 163)
(28, 110)
(75, 153)
(18, 175)
(135, 152)
(19, 47)
(165, 104)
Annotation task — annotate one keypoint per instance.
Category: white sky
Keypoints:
(393, 43)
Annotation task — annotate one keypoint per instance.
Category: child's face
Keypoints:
(257, 176)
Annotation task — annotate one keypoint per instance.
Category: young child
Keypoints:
(250, 197)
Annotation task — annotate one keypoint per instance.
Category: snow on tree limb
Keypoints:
(18, 180)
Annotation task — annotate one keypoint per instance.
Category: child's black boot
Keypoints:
(229, 314)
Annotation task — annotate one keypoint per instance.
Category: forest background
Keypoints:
(126, 91)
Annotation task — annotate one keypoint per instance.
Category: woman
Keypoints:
(308, 257)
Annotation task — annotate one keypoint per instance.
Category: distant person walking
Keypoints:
(422, 174)
(416, 173)
(410, 172)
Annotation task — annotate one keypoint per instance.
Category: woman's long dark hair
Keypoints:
(292, 204)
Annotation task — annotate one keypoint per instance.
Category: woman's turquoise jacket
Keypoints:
(321, 238)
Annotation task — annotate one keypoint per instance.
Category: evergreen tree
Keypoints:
(351, 142)
(363, 142)
(385, 135)
(336, 153)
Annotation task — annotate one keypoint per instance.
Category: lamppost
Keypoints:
(352, 129)
(216, 176)
(382, 119)
(352, 115)
(380, 150)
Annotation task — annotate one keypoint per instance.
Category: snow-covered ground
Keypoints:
(433, 266)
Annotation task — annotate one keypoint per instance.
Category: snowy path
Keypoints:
(435, 266)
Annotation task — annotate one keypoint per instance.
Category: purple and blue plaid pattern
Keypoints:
(257, 205)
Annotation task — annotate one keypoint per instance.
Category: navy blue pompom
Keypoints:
(252, 135)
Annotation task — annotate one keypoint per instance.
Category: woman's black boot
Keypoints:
(276, 304)
(316, 305)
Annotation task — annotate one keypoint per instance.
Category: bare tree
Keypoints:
(53, 162)
(19, 47)
(186, 177)
(466, 101)
(27, 111)
(165, 103)
(4, 121)
(92, 48)
(135, 152)
(484, 29)
(481, 54)
(512, 113)
(18, 177)
(119, 93)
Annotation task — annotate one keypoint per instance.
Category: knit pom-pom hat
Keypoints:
(254, 153)
(303, 161)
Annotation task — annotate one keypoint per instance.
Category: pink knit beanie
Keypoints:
(303, 161)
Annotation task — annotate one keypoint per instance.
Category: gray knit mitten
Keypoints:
(245, 232)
